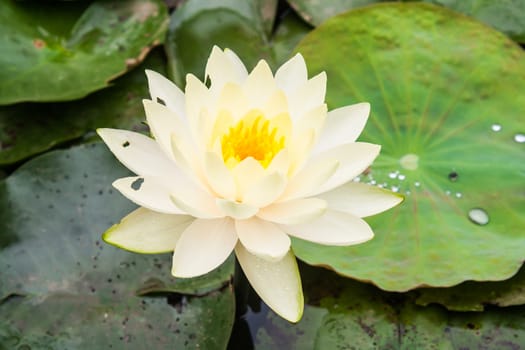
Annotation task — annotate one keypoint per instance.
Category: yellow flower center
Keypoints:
(253, 136)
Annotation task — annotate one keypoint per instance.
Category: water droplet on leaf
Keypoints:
(496, 127)
(478, 216)
(519, 138)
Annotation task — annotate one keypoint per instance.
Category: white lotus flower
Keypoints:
(243, 165)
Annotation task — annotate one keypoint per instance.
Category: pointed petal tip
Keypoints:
(278, 284)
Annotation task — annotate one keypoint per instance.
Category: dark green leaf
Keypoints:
(76, 291)
(198, 25)
(30, 128)
(345, 314)
(47, 58)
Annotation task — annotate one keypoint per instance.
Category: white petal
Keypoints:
(333, 228)
(204, 246)
(308, 96)
(237, 63)
(276, 104)
(360, 199)
(139, 153)
(292, 74)
(221, 69)
(236, 210)
(266, 190)
(260, 84)
(147, 192)
(196, 203)
(343, 125)
(233, 99)
(299, 150)
(310, 178)
(147, 232)
(246, 174)
(353, 158)
(187, 158)
(165, 90)
(277, 283)
(280, 163)
(294, 212)
(263, 238)
(198, 98)
(312, 120)
(219, 177)
(163, 123)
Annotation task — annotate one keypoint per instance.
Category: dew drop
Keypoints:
(478, 216)
(496, 127)
(453, 176)
(373, 182)
(395, 188)
(401, 177)
(447, 192)
(417, 184)
(393, 174)
(519, 138)
(459, 195)
(357, 179)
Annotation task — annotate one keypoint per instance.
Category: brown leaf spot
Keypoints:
(39, 43)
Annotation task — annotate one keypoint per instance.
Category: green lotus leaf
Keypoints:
(27, 129)
(353, 315)
(198, 25)
(505, 16)
(476, 296)
(61, 286)
(315, 11)
(446, 111)
(52, 54)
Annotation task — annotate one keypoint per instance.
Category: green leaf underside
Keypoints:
(354, 315)
(44, 60)
(27, 129)
(506, 16)
(239, 26)
(437, 94)
(476, 296)
(52, 212)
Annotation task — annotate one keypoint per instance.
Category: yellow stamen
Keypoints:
(253, 136)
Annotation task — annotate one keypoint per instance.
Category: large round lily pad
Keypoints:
(448, 112)
(506, 16)
(62, 287)
(51, 54)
